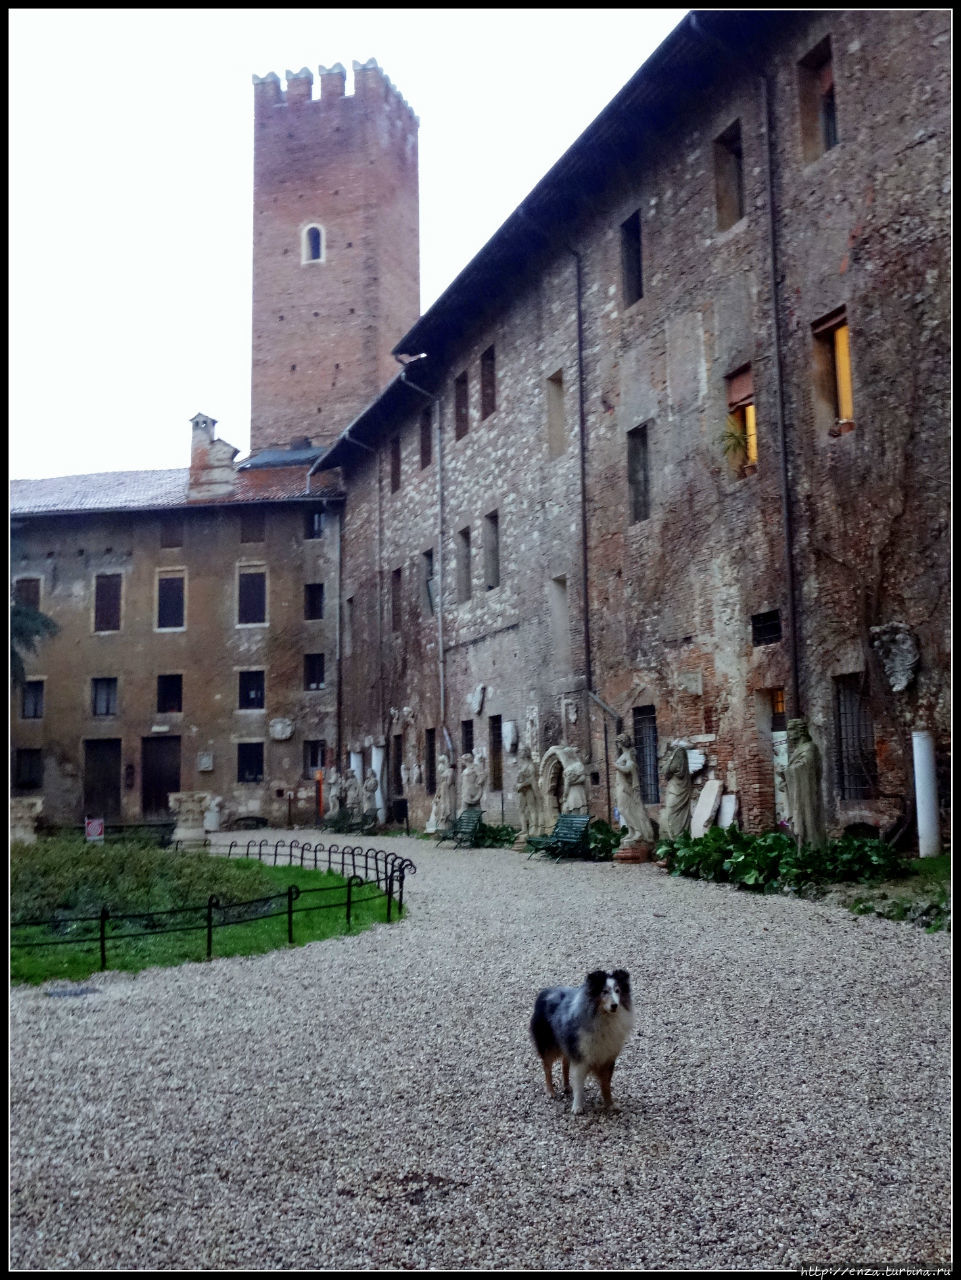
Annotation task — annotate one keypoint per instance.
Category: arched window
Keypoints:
(312, 244)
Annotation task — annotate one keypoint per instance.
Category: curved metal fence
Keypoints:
(384, 870)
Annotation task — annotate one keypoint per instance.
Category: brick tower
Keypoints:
(336, 258)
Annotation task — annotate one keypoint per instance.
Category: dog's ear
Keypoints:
(595, 982)
(623, 980)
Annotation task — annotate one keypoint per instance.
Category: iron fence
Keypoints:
(384, 870)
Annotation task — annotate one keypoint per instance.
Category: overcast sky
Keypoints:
(131, 209)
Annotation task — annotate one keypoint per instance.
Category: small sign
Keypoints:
(93, 829)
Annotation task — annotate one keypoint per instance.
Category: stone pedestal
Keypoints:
(24, 812)
(189, 807)
(640, 851)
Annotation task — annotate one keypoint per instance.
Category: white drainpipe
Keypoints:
(926, 793)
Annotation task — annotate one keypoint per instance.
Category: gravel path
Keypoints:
(374, 1102)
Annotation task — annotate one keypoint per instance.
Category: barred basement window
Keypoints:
(645, 745)
(396, 584)
(856, 759)
(766, 627)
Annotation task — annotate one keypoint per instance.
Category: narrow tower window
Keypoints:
(729, 176)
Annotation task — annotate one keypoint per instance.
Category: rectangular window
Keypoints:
(430, 762)
(103, 691)
(460, 406)
(833, 388)
(396, 585)
(741, 432)
(395, 464)
(466, 736)
(556, 421)
(495, 754)
(638, 474)
(313, 601)
(645, 745)
(170, 693)
(348, 626)
(488, 383)
(819, 123)
(427, 581)
(31, 700)
(28, 769)
(314, 522)
(250, 762)
(26, 591)
(426, 439)
(313, 671)
(492, 551)
(463, 566)
(560, 623)
(729, 177)
(632, 275)
(314, 749)
(172, 531)
(766, 627)
(252, 525)
(856, 760)
(106, 609)
(250, 691)
(170, 602)
(251, 597)
(778, 711)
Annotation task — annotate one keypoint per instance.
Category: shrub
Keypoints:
(603, 839)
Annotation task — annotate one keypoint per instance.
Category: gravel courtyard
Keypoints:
(374, 1102)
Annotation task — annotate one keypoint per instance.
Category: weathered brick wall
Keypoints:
(323, 332)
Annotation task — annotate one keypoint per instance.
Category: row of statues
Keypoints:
(345, 792)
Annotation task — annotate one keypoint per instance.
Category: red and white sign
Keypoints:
(93, 829)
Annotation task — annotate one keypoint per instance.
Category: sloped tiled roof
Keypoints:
(158, 490)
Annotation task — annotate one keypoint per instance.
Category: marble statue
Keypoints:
(803, 782)
(676, 812)
(627, 794)
(528, 799)
(370, 792)
(444, 799)
(335, 790)
(352, 793)
(575, 782)
(471, 782)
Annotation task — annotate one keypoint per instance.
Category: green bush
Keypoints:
(773, 861)
(603, 839)
(496, 837)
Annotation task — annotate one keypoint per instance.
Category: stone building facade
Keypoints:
(662, 458)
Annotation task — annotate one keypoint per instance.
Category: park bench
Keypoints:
(464, 830)
(567, 840)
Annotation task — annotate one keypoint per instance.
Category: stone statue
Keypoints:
(627, 795)
(212, 813)
(370, 792)
(897, 648)
(575, 782)
(352, 793)
(444, 799)
(483, 775)
(528, 799)
(471, 782)
(335, 791)
(803, 782)
(676, 812)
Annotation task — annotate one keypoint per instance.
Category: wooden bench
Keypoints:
(464, 830)
(567, 840)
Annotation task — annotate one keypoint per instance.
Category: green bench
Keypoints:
(567, 840)
(464, 830)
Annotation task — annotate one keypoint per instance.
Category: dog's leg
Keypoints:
(578, 1076)
(604, 1074)
(567, 1075)
(548, 1060)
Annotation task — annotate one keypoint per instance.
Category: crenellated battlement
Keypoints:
(371, 84)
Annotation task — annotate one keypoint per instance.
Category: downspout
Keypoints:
(439, 605)
(793, 611)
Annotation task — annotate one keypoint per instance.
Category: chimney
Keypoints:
(212, 472)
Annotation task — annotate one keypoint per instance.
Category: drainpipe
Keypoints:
(439, 603)
(926, 791)
(793, 612)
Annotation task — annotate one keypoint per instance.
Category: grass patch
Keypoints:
(59, 880)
